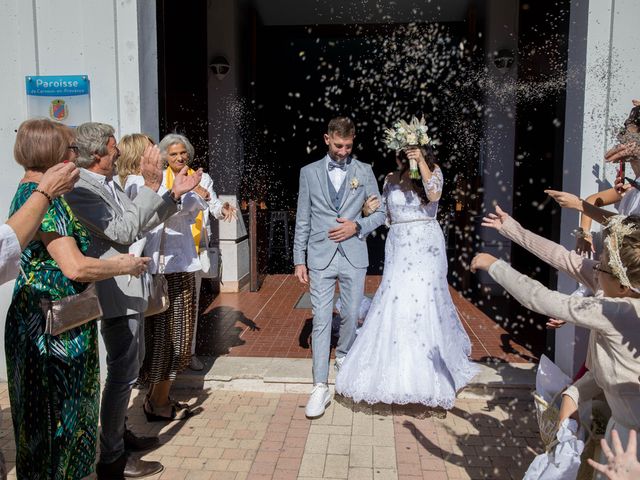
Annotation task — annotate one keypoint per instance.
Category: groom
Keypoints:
(331, 230)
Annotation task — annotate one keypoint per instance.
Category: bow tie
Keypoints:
(341, 165)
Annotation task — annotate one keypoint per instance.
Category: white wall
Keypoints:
(98, 38)
(603, 79)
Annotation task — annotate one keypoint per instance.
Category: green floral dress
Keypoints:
(54, 384)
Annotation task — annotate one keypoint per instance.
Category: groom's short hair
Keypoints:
(342, 126)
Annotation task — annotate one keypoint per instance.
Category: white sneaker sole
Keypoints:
(319, 414)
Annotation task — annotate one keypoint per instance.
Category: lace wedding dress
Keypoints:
(412, 347)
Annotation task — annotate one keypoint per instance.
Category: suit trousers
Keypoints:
(322, 286)
(124, 342)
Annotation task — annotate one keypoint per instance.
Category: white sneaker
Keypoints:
(319, 399)
(338, 363)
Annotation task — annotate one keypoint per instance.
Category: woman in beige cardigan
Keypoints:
(613, 315)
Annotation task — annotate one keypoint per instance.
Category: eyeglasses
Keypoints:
(598, 267)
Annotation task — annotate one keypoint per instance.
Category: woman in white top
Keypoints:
(171, 246)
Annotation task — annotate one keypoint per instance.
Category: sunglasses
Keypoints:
(598, 267)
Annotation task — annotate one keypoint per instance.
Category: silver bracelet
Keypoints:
(580, 233)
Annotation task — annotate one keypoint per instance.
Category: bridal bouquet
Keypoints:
(403, 135)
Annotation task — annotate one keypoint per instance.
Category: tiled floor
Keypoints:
(266, 324)
(265, 436)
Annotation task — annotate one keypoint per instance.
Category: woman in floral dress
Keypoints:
(54, 384)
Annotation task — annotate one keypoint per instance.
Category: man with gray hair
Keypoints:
(115, 223)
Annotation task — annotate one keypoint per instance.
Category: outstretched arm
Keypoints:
(574, 265)
(591, 312)
(569, 200)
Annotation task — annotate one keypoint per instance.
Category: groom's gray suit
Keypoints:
(319, 205)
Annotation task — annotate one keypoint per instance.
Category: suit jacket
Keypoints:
(316, 215)
(114, 227)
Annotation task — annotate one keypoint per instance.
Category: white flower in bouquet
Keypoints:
(403, 135)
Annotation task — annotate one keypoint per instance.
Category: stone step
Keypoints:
(513, 380)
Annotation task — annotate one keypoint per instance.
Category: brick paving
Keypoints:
(266, 324)
(265, 436)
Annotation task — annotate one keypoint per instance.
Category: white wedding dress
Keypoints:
(412, 347)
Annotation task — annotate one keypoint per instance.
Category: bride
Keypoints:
(412, 347)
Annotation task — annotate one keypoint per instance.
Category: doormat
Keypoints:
(305, 300)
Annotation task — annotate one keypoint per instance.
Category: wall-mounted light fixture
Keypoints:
(220, 67)
(503, 59)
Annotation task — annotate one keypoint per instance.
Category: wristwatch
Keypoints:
(358, 228)
(173, 197)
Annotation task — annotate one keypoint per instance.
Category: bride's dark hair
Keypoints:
(417, 185)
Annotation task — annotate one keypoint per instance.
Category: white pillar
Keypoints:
(226, 153)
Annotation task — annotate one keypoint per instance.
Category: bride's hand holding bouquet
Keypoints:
(409, 137)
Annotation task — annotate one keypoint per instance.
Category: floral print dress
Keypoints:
(54, 384)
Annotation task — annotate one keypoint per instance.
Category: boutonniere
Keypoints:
(354, 183)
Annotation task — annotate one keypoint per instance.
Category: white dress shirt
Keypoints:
(9, 254)
(108, 184)
(174, 236)
(336, 175)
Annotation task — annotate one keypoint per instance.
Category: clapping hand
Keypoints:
(495, 220)
(229, 212)
(621, 464)
(202, 192)
(183, 182)
(59, 179)
(151, 167)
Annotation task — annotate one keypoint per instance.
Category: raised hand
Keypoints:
(229, 212)
(151, 167)
(183, 182)
(625, 152)
(482, 261)
(59, 179)
(584, 246)
(370, 205)
(621, 464)
(565, 199)
(621, 187)
(495, 220)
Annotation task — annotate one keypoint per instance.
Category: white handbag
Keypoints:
(210, 259)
